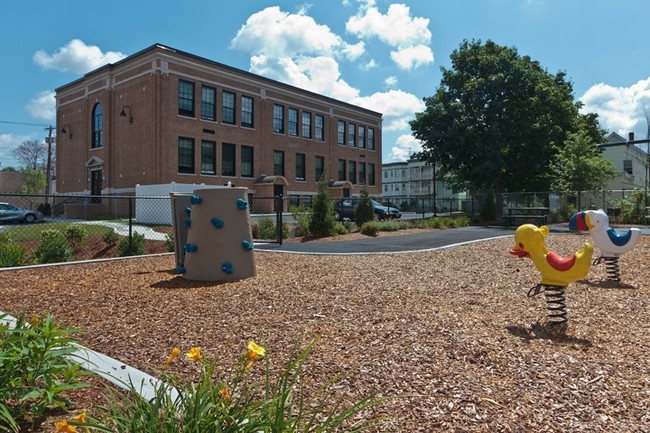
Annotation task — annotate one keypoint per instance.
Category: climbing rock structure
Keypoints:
(219, 244)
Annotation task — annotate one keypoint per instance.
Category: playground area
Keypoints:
(451, 331)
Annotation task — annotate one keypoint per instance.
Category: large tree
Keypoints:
(497, 120)
(32, 153)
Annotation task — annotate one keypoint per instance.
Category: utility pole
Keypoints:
(48, 176)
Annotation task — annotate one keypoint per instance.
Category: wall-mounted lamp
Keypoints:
(67, 129)
(123, 113)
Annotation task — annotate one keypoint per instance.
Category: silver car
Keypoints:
(10, 213)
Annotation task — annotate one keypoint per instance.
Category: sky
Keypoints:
(383, 55)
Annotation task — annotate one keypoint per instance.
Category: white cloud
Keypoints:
(278, 34)
(369, 65)
(409, 57)
(409, 36)
(391, 81)
(43, 106)
(404, 147)
(620, 109)
(397, 106)
(353, 52)
(76, 57)
(8, 142)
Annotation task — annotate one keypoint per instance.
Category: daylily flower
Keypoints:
(35, 320)
(194, 354)
(81, 418)
(64, 427)
(225, 393)
(174, 354)
(255, 352)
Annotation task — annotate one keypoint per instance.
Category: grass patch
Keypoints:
(32, 232)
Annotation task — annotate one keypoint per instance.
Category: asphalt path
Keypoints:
(427, 240)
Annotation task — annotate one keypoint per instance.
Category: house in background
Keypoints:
(163, 115)
(631, 163)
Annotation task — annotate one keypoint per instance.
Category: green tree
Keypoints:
(579, 166)
(33, 181)
(365, 210)
(322, 220)
(497, 120)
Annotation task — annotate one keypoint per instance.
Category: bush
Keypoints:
(389, 226)
(322, 220)
(110, 237)
(135, 248)
(371, 228)
(340, 229)
(11, 253)
(169, 242)
(76, 235)
(54, 248)
(365, 210)
(302, 217)
(45, 209)
(35, 372)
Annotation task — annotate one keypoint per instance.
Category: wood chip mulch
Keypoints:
(452, 331)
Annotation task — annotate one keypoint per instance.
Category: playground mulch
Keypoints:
(451, 332)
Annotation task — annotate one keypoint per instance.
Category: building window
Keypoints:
(98, 126)
(306, 124)
(319, 127)
(362, 137)
(185, 155)
(278, 163)
(371, 174)
(320, 168)
(300, 166)
(247, 167)
(293, 121)
(352, 171)
(208, 157)
(362, 173)
(247, 111)
(185, 98)
(627, 166)
(208, 103)
(371, 139)
(352, 134)
(278, 119)
(341, 169)
(340, 133)
(228, 108)
(228, 159)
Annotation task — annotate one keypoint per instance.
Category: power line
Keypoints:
(24, 123)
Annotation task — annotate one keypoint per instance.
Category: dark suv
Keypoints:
(346, 209)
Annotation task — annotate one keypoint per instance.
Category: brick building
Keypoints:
(163, 115)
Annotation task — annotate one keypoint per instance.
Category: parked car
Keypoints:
(346, 209)
(10, 213)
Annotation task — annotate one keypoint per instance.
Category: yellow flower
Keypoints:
(255, 352)
(225, 393)
(81, 418)
(174, 354)
(194, 354)
(35, 320)
(63, 427)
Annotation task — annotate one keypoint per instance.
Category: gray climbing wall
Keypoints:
(219, 243)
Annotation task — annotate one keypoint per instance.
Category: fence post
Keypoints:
(130, 225)
(279, 204)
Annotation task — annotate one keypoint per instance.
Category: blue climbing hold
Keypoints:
(195, 199)
(227, 268)
(188, 210)
(242, 204)
(190, 248)
(187, 223)
(217, 223)
(247, 245)
(180, 269)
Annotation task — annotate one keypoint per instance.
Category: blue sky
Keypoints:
(384, 55)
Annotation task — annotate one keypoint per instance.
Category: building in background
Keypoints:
(631, 163)
(163, 115)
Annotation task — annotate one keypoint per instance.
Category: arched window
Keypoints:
(98, 126)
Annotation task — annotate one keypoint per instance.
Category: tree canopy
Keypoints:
(32, 153)
(498, 119)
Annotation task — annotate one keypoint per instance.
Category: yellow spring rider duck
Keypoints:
(557, 271)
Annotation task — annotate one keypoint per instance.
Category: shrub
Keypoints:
(45, 209)
(302, 216)
(76, 235)
(54, 248)
(340, 229)
(322, 219)
(11, 253)
(169, 242)
(110, 237)
(134, 248)
(35, 372)
(371, 228)
(365, 210)
(389, 226)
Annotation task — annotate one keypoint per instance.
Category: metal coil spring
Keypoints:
(556, 304)
(611, 266)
